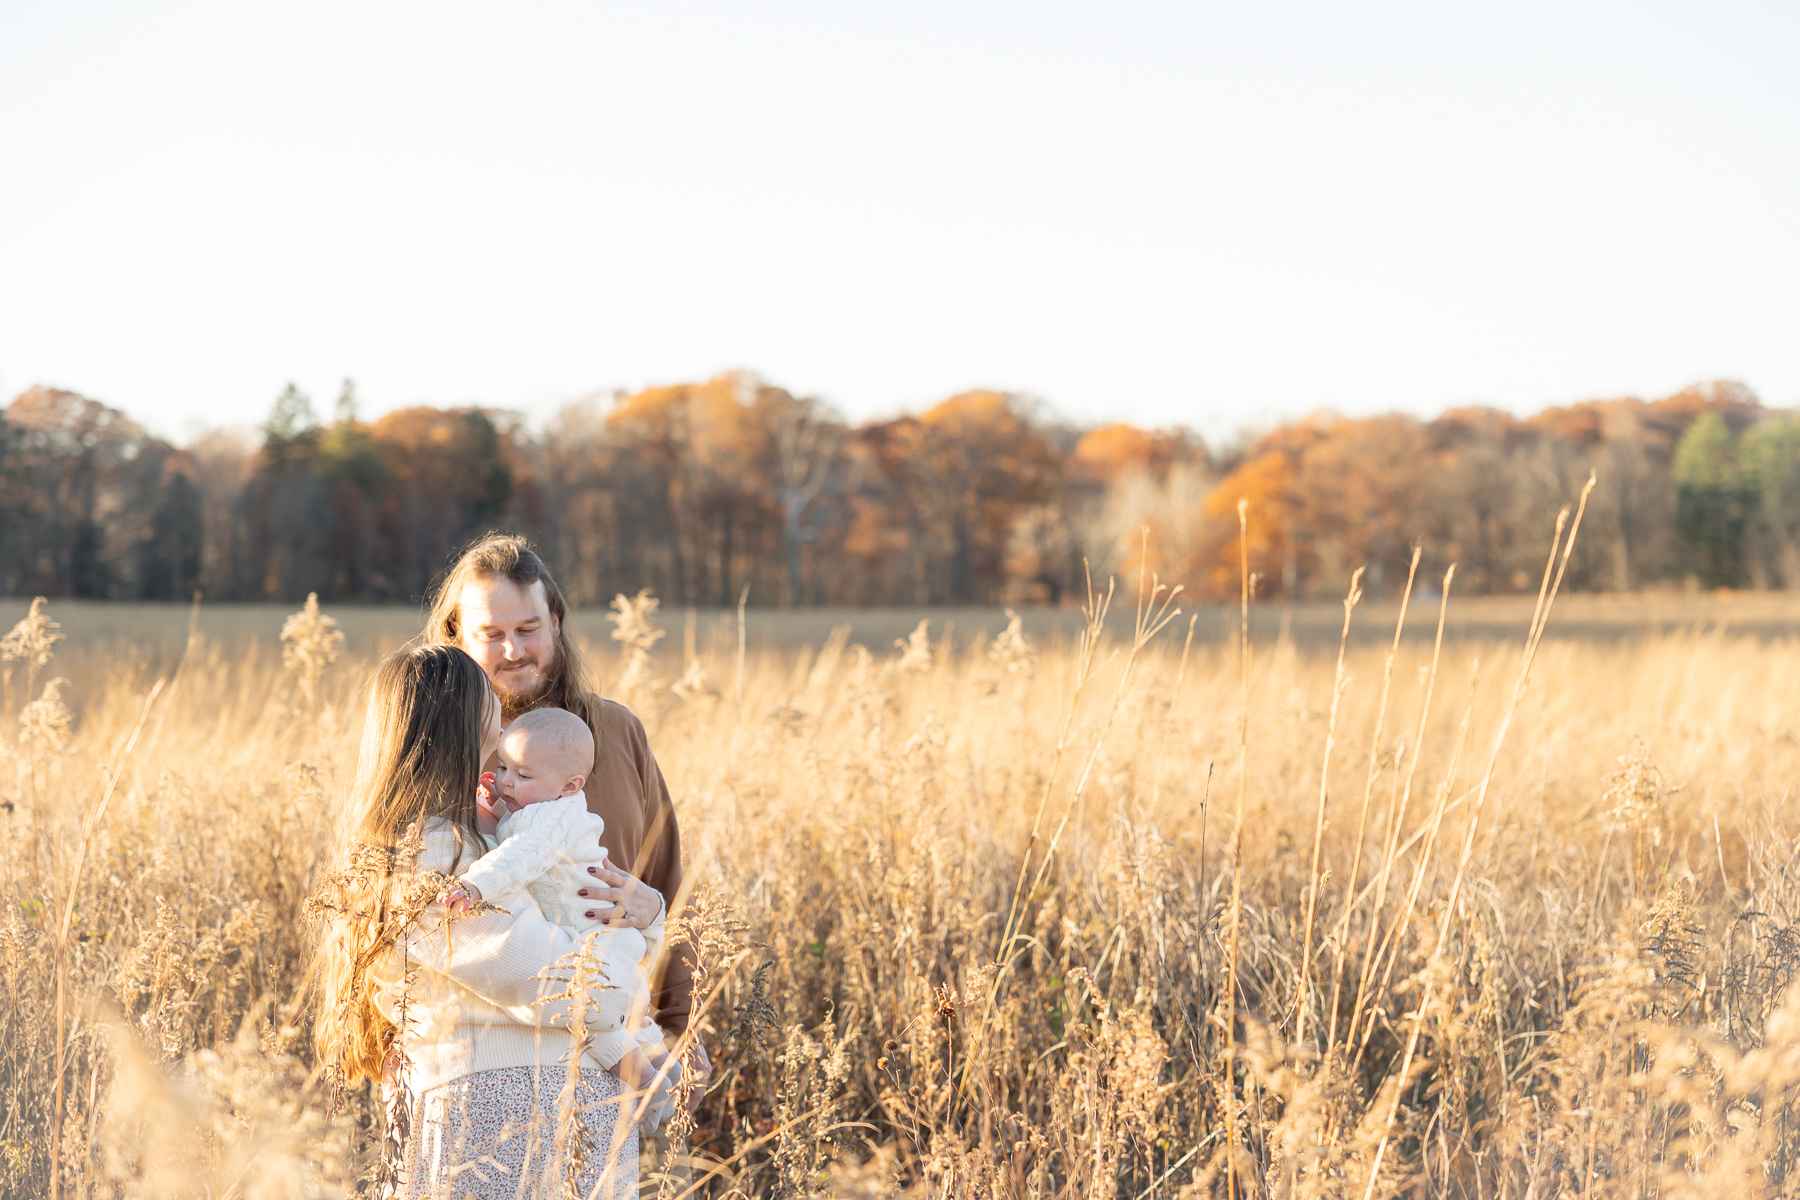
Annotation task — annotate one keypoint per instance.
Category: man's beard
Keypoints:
(515, 704)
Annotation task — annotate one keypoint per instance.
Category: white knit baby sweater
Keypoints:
(479, 996)
(545, 851)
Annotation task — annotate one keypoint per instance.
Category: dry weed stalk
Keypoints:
(46, 722)
(696, 685)
(1397, 820)
(582, 972)
(1553, 576)
(1087, 645)
(634, 625)
(1362, 821)
(1011, 650)
(45, 727)
(32, 641)
(310, 642)
(72, 889)
(1313, 882)
(915, 649)
(1229, 1083)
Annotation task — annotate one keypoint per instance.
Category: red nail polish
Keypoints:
(590, 916)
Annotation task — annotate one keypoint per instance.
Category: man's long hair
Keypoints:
(510, 557)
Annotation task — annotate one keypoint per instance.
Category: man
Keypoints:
(501, 605)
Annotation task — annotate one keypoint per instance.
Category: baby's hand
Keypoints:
(488, 798)
(462, 896)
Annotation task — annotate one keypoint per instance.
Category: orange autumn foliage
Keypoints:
(702, 489)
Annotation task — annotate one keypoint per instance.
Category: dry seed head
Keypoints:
(947, 1001)
(633, 625)
(755, 1014)
(788, 718)
(1636, 793)
(311, 641)
(1012, 649)
(32, 640)
(639, 674)
(695, 684)
(47, 721)
(915, 649)
(1139, 1053)
(633, 620)
(1672, 916)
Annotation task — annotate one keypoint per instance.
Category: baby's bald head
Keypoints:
(544, 754)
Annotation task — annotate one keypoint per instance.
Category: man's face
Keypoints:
(510, 632)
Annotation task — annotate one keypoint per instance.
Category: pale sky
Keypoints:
(1205, 214)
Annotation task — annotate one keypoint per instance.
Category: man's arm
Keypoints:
(653, 856)
(672, 988)
(645, 842)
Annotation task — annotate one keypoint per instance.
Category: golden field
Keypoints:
(913, 994)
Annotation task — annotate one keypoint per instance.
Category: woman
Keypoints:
(466, 1021)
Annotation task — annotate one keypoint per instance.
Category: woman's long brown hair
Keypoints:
(421, 746)
(420, 760)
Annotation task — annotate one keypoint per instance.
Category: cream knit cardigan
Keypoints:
(543, 857)
(478, 992)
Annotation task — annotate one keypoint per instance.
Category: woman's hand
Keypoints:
(620, 899)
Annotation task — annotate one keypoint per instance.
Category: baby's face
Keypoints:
(527, 778)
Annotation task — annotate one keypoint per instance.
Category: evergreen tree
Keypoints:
(1769, 456)
(1713, 502)
(291, 433)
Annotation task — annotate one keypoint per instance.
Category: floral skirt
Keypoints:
(493, 1136)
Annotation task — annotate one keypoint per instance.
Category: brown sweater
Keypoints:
(626, 790)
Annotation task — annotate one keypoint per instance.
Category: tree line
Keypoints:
(700, 491)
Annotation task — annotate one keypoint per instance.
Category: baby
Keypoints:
(548, 840)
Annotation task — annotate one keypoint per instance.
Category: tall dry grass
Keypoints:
(970, 917)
